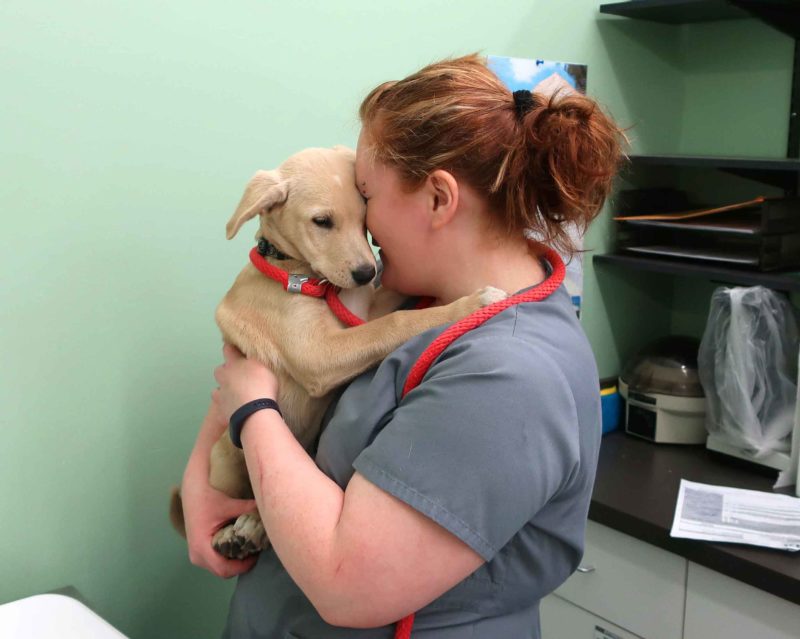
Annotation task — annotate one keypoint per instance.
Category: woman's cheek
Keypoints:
(387, 275)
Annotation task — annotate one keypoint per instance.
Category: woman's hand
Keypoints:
(206, 510)
(241, 380)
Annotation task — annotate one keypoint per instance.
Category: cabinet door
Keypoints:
(718, 606)
(563, 620)
(627, 581)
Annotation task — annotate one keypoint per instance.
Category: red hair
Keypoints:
(539, 171)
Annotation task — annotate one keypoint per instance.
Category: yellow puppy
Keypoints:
(311, 212)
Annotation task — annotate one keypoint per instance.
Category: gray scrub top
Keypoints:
(498, 445)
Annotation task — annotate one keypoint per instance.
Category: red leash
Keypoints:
(453, 332)
(308, 286)
(314, 288)
(320, 288)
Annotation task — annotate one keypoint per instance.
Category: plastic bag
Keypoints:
(747, 365)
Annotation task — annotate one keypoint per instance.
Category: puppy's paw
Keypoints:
(475, 301)
(244, 537)
(489, 295)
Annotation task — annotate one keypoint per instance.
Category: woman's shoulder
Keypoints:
(523, 341)
(550, 325)
(526, 343)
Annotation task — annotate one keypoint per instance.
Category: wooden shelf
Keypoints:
(779, 172)
(783, 15)
(781, 281)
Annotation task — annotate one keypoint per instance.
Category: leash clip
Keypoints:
(295, 283)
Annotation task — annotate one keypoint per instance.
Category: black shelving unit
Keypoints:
(723, 162)
(779, 281)
(778, 172)
(783, 15)
(676, 11)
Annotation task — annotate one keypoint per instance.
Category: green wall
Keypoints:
(127, 134)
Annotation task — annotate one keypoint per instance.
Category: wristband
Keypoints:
(241, 414)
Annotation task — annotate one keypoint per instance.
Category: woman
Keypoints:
(465, 500)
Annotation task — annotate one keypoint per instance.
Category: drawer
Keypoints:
(563, 620)
(718, 606)
(631, 583)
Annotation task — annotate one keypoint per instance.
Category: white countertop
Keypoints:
(53, 617)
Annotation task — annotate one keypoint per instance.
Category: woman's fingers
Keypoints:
(232, 508)
(227, 568)
(230, 352)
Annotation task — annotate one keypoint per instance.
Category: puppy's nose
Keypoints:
(363, 274)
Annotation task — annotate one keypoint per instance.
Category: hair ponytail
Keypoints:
(568, 154)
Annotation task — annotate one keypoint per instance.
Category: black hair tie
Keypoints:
(524, 102)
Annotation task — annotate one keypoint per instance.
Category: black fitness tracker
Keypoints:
(241, 414)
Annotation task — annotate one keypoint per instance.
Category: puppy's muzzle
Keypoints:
(363, 274)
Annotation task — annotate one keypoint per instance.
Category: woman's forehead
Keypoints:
(361, 171)
(365, 163)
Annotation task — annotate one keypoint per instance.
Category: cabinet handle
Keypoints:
(585, 569)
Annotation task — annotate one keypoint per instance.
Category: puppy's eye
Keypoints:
(323, 221)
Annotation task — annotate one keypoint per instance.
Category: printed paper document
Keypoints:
(718, 513)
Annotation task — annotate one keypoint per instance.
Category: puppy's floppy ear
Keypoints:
(264, 190)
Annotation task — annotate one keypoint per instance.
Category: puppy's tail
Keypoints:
(176, 511)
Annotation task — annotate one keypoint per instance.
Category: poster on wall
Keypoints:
(547, 77)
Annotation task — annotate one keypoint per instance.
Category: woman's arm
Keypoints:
(361, 556)
(207, 510)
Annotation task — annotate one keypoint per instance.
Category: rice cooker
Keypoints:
(665, 402)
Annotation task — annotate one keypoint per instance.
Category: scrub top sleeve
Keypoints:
(487, 438)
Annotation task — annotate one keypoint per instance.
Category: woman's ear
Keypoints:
(443, 193)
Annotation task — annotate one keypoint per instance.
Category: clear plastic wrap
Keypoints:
(747, 365)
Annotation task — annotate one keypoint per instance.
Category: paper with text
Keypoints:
(718, 513)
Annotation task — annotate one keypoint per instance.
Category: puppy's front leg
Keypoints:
(385, 301)
(341, 354)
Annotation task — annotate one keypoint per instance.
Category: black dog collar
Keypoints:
(265, 249)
